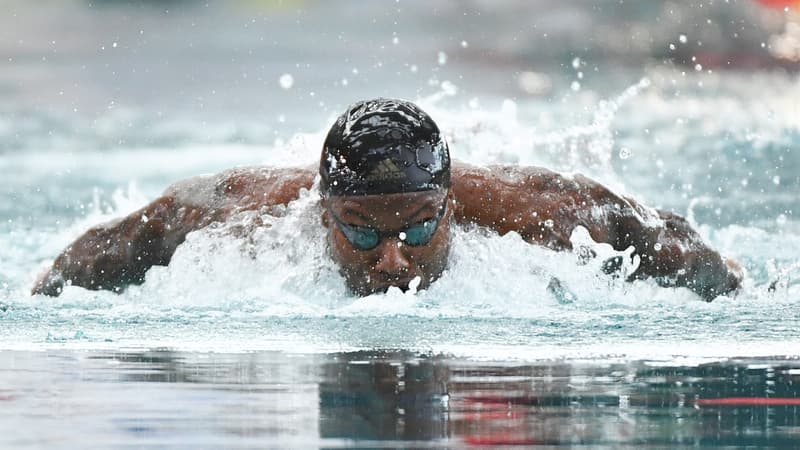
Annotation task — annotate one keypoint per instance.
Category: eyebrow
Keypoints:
(351, 210)
(416, 213)
(354, 212)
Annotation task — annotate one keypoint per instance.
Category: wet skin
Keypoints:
(542, 206)
(392, 262)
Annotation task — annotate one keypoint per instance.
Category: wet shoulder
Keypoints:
(472, 180)
(255, 187)
(531, 180)
(542, 205)
(243, 188)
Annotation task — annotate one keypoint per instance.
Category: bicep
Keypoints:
(116, 254)
(542, 206)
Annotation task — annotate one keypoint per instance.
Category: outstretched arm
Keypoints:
(674, 254)
(544, 207)
(119, 253)
(116, 254)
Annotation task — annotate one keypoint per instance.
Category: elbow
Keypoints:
(48, 284)
(728, 280)
(734, 277)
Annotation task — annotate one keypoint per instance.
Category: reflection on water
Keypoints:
(95, 95)
(367, 399)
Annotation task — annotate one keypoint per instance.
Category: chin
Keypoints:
(381, 288)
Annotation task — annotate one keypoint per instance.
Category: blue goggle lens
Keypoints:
(365, 238)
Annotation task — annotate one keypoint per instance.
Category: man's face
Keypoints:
(400, 221)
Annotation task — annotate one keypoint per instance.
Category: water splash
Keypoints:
(481, 136)
(589, 147)
(246, 286)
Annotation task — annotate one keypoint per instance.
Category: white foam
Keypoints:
(275, 288)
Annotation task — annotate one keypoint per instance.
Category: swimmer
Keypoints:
(389, 195)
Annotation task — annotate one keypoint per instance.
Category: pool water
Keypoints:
(254, 341)
(388, 399)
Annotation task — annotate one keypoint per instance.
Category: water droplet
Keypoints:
(575, 86)
(442, 58)
(672, 46)
(464, 44)
(508, 107)
(781, 219)
(657, 246)
(402, 236)
(776, 180)
(449, 88)
(624, 153)
(576, 63)
(682, 38)
(286, 81)
(549, 223)
(534, 82)
(413, 285)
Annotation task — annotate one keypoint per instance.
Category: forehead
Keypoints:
(395, 202)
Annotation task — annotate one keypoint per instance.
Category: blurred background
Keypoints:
(110, 73)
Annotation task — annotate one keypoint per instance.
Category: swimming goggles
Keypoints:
(367, 238)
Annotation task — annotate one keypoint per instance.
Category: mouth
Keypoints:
(404, 284)
(378, 284)
(401, 283)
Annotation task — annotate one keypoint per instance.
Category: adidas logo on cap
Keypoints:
(385, 170)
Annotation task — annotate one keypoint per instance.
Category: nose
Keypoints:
(392, 261)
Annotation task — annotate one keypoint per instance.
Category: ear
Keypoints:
(453, 204)
(325, 218)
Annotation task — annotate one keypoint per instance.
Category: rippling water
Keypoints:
(104, 105)
(388, 400)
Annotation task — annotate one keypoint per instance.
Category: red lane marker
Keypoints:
(489, 399)
(749, 401)
(493, 415)
(501, 400)
(779, 3)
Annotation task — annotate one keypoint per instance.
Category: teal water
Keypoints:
(168, 399)
(255, 342)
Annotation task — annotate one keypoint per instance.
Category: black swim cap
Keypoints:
(383, 146)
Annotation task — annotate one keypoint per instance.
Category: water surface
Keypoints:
(245, 342)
